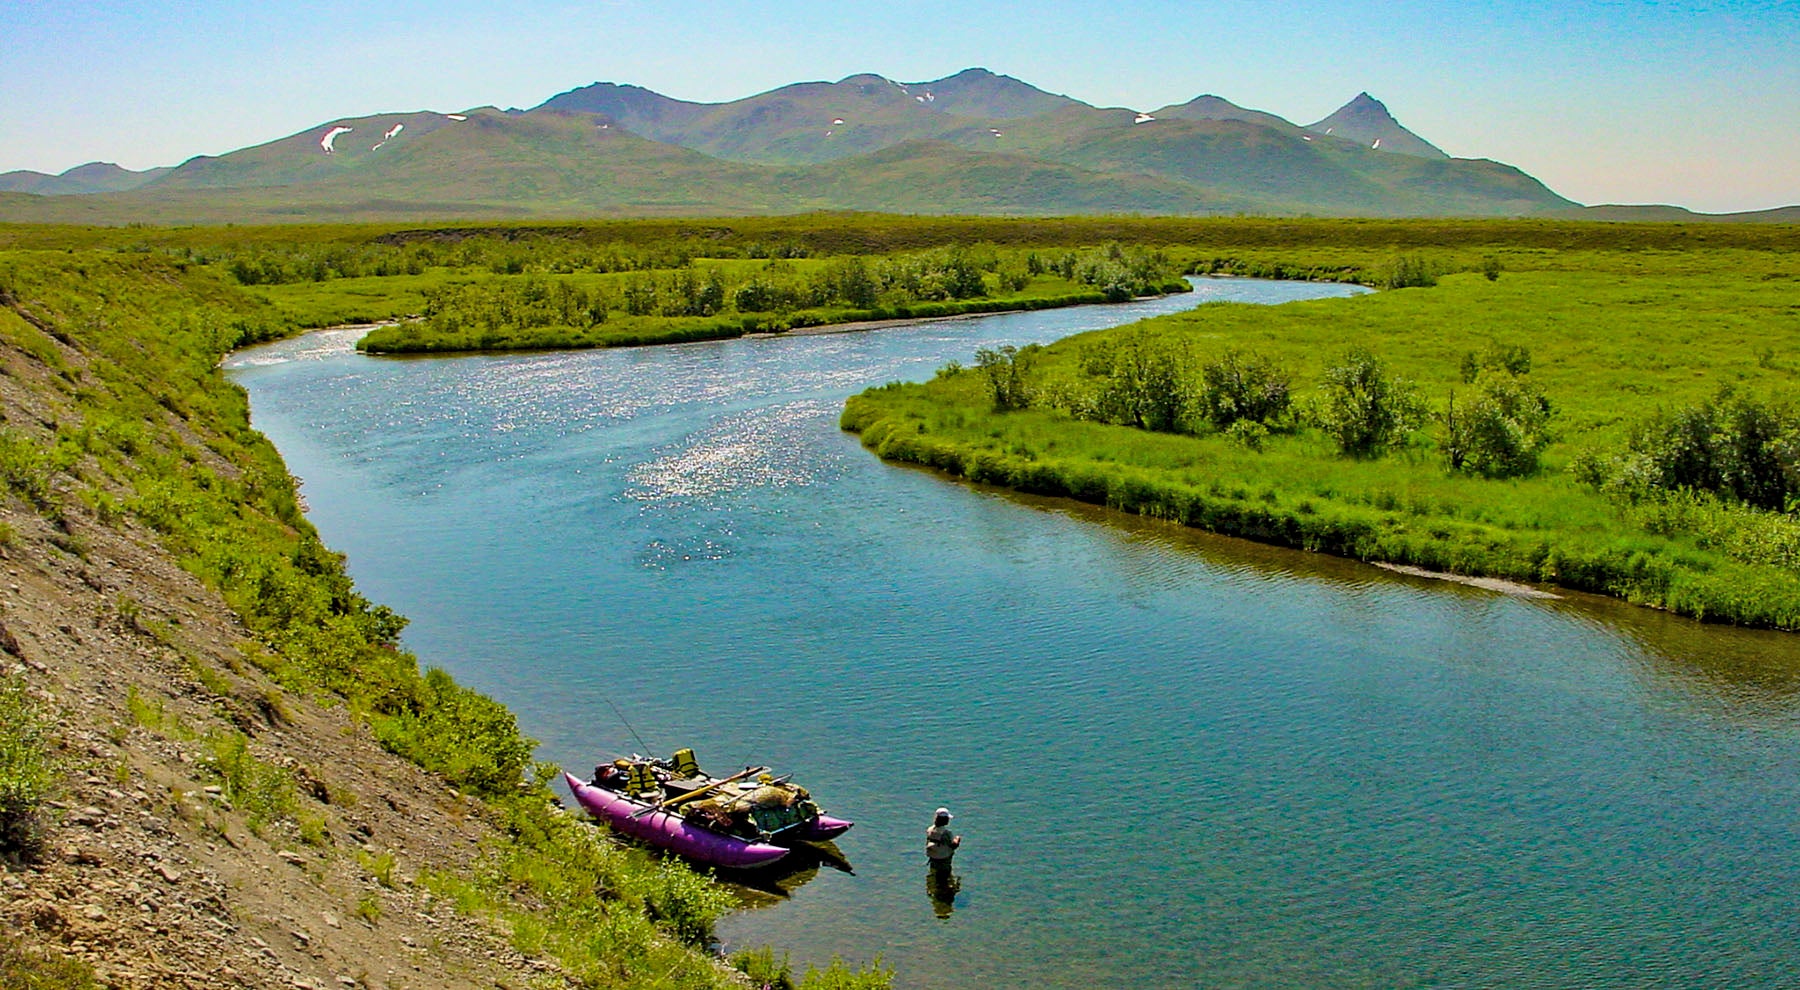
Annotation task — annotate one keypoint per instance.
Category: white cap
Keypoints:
(944, 813)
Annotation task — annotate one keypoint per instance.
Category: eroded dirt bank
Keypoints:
(148, 869)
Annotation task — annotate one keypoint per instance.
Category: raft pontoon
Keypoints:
(747, 820)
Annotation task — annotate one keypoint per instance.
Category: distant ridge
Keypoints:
(1365, 119)
(82, 180)
(627, 104)
(975, 141)
(1209, 107)
(984, 94)
(1660, 213)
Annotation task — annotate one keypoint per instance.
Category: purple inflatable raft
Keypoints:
(739, 822)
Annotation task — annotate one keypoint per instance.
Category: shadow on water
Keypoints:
(1747, 673)
(771, 885)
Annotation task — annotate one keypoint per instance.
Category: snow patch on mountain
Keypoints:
(388, 136)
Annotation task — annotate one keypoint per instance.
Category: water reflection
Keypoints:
(770, 885)
(942, 884)
(1755, 672)
(1751, 674)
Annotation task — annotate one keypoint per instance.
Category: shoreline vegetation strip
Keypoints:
(402, 338)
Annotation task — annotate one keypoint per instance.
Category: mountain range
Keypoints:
(973, 142)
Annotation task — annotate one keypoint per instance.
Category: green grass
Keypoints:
(1614, 335)
(23, 968)
(342, 301)
(263, 791)
(1318, 241)
(27, 770)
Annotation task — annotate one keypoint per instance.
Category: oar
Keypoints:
(679, 798)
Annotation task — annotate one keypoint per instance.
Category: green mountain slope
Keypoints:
(643, 111)
(568, 164)
(937, 177)
(1291, 171)
(818, 121)
(801, 123)
(539, 162)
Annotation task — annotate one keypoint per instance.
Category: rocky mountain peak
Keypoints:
(1366, 120)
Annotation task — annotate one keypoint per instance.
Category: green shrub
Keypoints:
(1240, 386)
(839, 976)
(680, 901)
(1406, 271)
(1364, 410)
(25, 468)
(1514, 359)
(471, 739)
(1004, 371)
(22, 968)
(263, 791)
(1500, 431)
(368, 907)
(1135, 379)
(1732, 446)
(146, 713)
(1248, 434)
(26, 770)
(764, 971)
(380, 867)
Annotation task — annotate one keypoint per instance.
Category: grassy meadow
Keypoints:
(1617, 339)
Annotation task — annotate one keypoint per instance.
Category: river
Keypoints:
(1178, 760)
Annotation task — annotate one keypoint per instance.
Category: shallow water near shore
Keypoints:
(1178, 759)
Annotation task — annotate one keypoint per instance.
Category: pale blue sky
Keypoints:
(1696, 104)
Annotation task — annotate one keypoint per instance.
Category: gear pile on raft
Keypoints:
(746, 820)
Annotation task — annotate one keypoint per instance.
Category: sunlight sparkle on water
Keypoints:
(760, 448)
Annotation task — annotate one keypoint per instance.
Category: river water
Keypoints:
(1178, 760)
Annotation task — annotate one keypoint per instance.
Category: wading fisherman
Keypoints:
(940, 842)
(940, 846)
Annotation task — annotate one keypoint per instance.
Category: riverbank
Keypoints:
(230, 775)
(858, 326)
(1611, 340)
(159, 864)
(1497, 585)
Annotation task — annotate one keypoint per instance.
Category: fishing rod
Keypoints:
(627, 723)
(759, 739)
